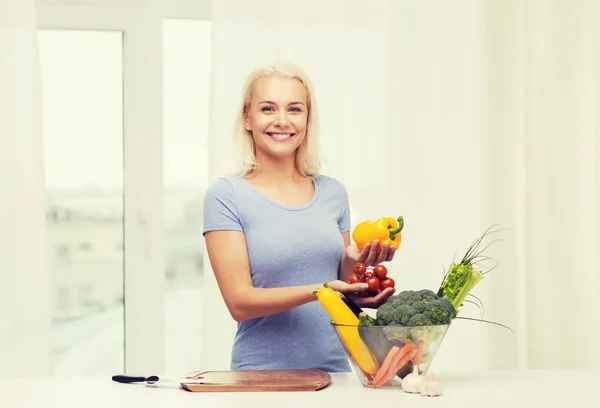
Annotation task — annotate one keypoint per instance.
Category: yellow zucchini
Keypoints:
(340, 313)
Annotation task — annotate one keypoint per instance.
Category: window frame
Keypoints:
(140, 22)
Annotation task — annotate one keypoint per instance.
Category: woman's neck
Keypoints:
(277, 171)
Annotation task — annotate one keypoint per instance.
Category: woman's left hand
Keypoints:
(372, 302)
(368, 255)
(354, 291)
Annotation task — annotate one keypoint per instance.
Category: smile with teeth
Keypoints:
(280, 136)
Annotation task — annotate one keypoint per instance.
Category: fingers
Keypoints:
(369, 255)
(382, 297)
(356, 287)
(385, 294)
(390, 254)
(372, 254)
(373, 302)
(383, 254)
(376, 301)
(345, 287)
(364, 253)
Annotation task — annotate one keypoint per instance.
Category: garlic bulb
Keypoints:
(412, 383)
(431, 387)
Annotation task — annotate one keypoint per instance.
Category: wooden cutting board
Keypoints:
(259, 380)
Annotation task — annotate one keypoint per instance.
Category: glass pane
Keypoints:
(83, 152)
(186, 70)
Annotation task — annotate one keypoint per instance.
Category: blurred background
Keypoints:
(116, 115)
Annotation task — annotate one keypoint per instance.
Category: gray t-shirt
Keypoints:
(287, 246)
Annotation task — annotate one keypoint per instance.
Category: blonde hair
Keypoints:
(307, 160)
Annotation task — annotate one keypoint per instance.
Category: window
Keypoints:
(115, 132)
(186, 81)
(83, 147)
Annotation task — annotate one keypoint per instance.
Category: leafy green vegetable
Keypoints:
(459, 281)
(463, 276)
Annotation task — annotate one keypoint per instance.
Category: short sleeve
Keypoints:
(344, 218)
(220, 208)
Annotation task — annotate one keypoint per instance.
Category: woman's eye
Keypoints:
(271, 109)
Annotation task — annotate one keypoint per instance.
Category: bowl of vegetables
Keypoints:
(396, 347)
(403, 338)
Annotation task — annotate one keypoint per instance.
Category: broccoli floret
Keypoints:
(440, 311)
(419, 307)
(419, 320)
(394, 313)
(416, 308)
(427, 294)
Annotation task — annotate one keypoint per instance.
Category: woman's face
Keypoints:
(277, 116)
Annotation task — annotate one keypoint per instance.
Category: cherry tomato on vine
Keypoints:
(359, 269)
(387, 283)
(373, 283)
(380, 271)
(355, 279)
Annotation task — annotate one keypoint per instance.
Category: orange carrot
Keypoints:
(396, 365)
(385, 369)
(420, 347)
(386, 363)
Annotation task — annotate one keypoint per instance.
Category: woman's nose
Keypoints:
(282, 119)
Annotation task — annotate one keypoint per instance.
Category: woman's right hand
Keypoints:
(348, 288)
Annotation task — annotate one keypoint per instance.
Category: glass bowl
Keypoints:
(383, 355)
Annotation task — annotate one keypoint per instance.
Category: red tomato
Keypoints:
(354, 279)
(369, 275)
(359, 269)
(380, 271)
(387, 283)
(373, 283)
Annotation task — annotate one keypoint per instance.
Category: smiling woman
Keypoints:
(267, 274)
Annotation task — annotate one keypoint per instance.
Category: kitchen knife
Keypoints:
(127, 379)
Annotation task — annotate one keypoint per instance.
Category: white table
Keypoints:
(564, 388)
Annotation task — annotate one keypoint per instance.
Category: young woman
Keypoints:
(278, 230)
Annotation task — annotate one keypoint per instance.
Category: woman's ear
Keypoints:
(246, 121)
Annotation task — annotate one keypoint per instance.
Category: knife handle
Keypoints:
(128, 379)
(353, 306)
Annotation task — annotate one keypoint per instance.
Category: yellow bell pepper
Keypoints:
(384, 229)
(341, 314)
